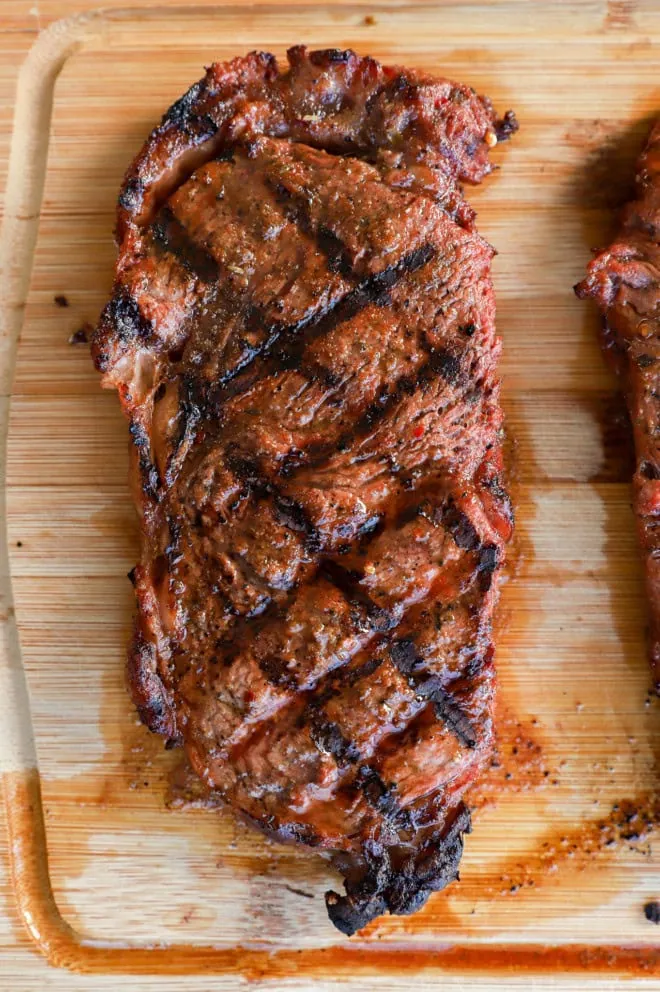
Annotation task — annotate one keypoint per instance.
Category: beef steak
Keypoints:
(301, 332)
(624, 280)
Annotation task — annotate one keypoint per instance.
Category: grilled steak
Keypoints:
(624, 280)
(302, 336)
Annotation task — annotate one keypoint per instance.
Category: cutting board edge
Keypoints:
(27, 841)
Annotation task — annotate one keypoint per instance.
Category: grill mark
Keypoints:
(460, 527)
(252, 578)
(171, 236)
(405, 657)
(349, 677)
(329, 739)
(343, 678)
(292, 514)
(276, 673)
(125, 315)
(422, 507)
(296, 209)
(489, 561)
(439, 363)
(371, 528)
(370, 290)
(335, 251)
(148, 471)
(447, 710)
(210, 398)
(191, 415)
(377, 618)
(324, 732)
(379, 795)
(365, 616)
(289, 355)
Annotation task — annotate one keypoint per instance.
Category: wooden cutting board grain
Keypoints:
(563, 848)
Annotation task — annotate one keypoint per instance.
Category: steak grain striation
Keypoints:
(302, 336)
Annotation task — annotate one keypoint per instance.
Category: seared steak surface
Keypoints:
(624, 280)
(302, 336)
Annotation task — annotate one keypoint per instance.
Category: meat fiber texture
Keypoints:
(302, 336)
(624, 280)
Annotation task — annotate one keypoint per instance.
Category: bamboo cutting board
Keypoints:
(564, 853)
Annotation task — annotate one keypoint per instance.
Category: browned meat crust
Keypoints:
(302, 336)
(624, 280)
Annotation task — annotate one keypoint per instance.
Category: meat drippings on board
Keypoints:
(302, 336)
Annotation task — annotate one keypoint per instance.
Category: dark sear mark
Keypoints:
(125, 316)
(379, 795)
(649, 470)
(291, 513)
(327, 242)
(366, 611)
(460, 527)
(148, 471)
(328, 738)
(170, 235)
(489, 559)
(407, 385)
(404, 655)
(288, 354)
(190, 415)
(335, 251)
(448, 711)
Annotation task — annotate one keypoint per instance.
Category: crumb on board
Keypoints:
(60, 300)
(81, 336)
(299, 892)
(652, 911)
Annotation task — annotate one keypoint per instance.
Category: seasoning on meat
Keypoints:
(302, 336)
(624, 280)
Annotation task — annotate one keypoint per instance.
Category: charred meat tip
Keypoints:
(506, 126)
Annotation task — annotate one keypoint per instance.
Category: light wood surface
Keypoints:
(583, 80)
